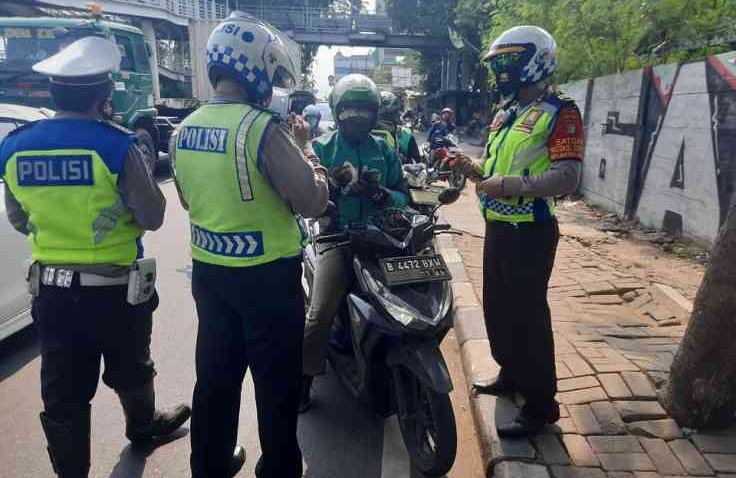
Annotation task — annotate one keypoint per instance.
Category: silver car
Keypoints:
(15, 303)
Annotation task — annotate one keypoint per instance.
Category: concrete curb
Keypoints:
(501, 458)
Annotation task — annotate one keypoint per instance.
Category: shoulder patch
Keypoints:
(567, 140)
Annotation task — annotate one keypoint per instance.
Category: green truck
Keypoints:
(25, 41)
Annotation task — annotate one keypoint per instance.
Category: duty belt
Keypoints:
(57, 277)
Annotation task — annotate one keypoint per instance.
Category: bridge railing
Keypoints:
(312, 19)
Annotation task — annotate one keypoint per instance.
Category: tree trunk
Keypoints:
(701, 392)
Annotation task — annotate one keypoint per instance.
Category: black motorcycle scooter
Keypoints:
(385, 343)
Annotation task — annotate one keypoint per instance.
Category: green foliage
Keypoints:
(598, 37)
(595, 37)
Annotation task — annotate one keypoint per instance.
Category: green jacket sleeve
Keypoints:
(395, 178)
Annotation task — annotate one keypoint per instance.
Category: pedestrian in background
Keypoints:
(242, 176)
(79, 188)
(534, 153)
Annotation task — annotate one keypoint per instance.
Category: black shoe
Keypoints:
(68, 444)
(305, 401)
(237, 461)
(522, 426)
(143, 421)
(498, 386)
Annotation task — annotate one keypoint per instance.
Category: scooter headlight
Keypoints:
(399, 309)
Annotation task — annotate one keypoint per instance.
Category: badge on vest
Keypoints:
(199, 138)
(57, 170)
(527, 125)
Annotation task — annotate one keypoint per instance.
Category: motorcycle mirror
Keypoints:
(449, 195)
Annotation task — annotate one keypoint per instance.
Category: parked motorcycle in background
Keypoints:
(384, 345)
(440, 157)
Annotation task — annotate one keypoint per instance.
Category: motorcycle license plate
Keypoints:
(413, 269)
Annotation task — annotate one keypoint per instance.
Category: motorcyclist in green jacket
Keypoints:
(365, 177)
(390, 129)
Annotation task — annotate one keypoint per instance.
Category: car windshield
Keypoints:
(325, 111)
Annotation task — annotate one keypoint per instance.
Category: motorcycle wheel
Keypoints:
(427, 424)
(457, 180)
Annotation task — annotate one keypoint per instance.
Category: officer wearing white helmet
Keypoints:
(534, 153)
(312, 116)
(242, 176)
(79, 188)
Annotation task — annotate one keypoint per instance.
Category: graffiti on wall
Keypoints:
(662, 144)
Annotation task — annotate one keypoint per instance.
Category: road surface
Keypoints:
(339, 437)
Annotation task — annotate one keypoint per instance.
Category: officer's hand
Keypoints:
(501, 186)
(300, 130)
(342, 175)
(467, 166)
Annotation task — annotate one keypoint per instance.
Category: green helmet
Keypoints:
(355, 90)
(390, 105)
(355, 102)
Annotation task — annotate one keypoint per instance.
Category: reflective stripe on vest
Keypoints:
(64, 173)
(519, 148)
(237, 219)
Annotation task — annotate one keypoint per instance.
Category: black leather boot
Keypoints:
(143, 421)
(68, 444)
(499, 386)
(529, 423)
(237, 461)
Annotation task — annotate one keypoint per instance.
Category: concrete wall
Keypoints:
(661, 143)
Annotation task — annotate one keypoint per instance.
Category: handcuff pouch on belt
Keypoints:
(142, 281)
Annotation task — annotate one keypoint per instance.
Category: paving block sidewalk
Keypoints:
(615, 337)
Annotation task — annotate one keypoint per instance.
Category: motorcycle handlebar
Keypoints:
(331, 238)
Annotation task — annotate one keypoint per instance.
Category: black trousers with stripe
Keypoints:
(517, 264)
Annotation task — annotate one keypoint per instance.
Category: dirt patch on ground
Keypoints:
(648, 255)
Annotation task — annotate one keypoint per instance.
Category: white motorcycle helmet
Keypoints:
(252, 53)
(520, 57)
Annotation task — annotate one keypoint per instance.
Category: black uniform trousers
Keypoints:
(77, 327)
(517, 264)
(248, 317)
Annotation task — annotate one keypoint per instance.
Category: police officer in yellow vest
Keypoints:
(78, 187)
(534, 153)
(242, 176)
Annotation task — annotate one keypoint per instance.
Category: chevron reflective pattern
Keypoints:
(231, 244)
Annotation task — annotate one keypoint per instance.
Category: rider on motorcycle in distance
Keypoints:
(365, 177)
(390, 129)
(442, 128)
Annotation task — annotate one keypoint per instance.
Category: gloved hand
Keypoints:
(369, 185)
(341, 176)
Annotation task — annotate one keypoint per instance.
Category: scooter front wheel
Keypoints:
(427, 424)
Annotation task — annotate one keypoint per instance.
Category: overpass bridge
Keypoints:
(302, 23)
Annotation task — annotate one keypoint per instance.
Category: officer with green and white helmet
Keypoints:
(365, 176)
(78, 187)
(243, 176)
(534, 153)
(390, 129)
